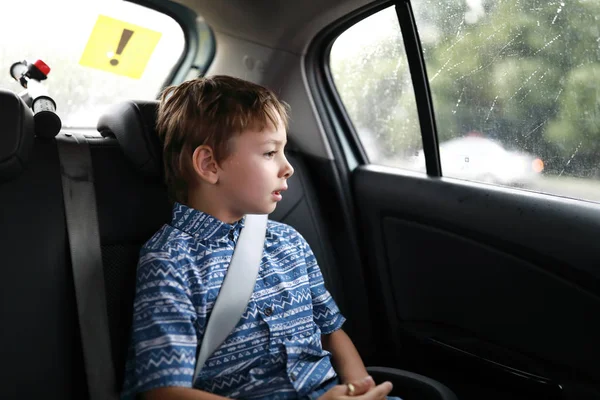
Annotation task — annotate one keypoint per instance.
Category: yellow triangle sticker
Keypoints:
(119, 47)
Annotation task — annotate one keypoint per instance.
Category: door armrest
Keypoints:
(409, 385)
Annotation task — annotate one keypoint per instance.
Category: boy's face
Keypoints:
(252, 179)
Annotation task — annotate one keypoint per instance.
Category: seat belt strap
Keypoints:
(86, 260)
(237, 287)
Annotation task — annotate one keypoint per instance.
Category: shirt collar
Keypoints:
(202, 225)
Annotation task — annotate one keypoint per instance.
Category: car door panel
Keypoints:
(487, 277)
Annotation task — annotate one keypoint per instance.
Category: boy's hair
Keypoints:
(210, 111)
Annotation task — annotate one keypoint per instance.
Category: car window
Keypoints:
(514, 85)
(99, 52)
(515, 89)
(370, 72)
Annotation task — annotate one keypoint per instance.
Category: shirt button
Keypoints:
(268, 311)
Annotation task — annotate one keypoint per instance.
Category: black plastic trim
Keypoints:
(340, 211)
(532, 377)
(337, 209)
(410, 385)
(203, 61)
(442, 216)
(416, 63)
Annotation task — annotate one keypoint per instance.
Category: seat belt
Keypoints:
(86, 260)
(237, 287)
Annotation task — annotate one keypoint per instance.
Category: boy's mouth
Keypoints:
(277, 193)
(277, 196)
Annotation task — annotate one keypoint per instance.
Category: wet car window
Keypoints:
(370, 72)
(514, 84)
(99, 53)
(524, 76)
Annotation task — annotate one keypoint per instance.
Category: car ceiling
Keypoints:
(279, 24)
(264, 41)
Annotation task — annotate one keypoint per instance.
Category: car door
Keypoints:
(481, 262)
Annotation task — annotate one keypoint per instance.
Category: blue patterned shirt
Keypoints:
(275, 350)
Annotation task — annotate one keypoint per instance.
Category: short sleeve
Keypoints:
(163, 345)
(326, 313)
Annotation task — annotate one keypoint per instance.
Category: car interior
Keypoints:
(452, 288)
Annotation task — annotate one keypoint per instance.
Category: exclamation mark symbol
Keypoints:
(125, 36)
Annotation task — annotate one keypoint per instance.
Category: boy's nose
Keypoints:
(288, 170)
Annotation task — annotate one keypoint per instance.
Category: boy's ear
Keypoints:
(205, 165)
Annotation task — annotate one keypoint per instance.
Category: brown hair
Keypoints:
(210, 111)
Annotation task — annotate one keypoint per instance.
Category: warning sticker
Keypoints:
(119, 47)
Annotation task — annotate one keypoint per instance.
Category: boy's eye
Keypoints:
(270, 154)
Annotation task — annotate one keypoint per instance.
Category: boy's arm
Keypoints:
(164, 341)
(344, 356)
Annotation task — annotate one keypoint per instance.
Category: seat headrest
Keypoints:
(17, 132)
(133, 124)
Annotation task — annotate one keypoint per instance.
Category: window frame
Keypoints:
(420, 81)
(331, 107)
(187, 20)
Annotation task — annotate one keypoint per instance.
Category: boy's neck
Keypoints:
(213, 207)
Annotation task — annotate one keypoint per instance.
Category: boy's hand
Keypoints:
(360, 387)
(340, 392)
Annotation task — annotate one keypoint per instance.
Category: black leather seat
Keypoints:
(40, 345)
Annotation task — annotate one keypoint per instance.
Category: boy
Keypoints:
(224, 158)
